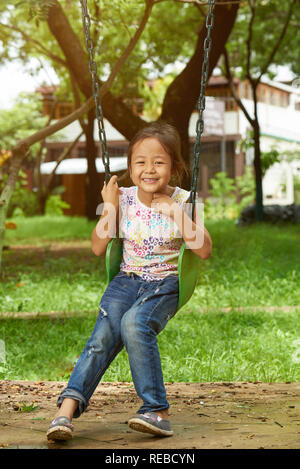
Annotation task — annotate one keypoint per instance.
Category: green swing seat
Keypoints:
(188, 267)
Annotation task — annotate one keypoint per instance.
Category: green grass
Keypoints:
(253, 266)
(258, 265)
(194, 347)
(40, 229)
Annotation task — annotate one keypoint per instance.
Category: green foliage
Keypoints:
(21, 120)
(154, 96)
(55, 205)
(297, 189)
(23, 202)
(246, 188)
(267, 158)
(113, 23)
(23, 407)
(37, 9)
(162, 42)
(268, 22)
(222, 201)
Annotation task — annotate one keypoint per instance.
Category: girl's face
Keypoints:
(151, 165)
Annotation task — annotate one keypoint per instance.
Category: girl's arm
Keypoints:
(104, 230)
(194, 233)
(107, 226)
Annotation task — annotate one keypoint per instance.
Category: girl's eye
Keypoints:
(159, 162)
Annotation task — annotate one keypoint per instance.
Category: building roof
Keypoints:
(219, 80)
(216, 80)
(79, 165)
(71, 132)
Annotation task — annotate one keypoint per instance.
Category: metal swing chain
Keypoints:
(95, 88)
(201, 104)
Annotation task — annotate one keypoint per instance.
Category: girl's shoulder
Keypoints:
(181, 196)
(128, 195)
(127, 190)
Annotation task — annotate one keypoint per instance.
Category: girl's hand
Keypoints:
(163, 203)
(110, 192)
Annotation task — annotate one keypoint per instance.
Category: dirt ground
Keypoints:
(203, 416)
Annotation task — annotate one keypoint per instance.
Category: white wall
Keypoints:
(281, 122)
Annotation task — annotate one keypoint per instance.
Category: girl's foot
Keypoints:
(60, 429)
(152, 423)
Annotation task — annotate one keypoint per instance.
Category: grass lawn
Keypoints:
(253, 266)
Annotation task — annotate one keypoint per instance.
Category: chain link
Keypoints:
(95, 88)
(201, 104)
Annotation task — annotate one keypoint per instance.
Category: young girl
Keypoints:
(143, 296)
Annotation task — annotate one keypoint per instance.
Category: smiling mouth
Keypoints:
(149, 180)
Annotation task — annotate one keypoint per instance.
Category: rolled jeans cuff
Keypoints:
(77, 396)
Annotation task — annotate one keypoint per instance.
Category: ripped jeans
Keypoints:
(132, 312)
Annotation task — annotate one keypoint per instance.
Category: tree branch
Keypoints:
(89, 104)
(40, 47)
(251, 4)
(77, 101)
(16, 162)
(42, 146)
(60, 124)
(63, 155)
(232, 89)
(200, 2)
(279, 40)
(132, 43)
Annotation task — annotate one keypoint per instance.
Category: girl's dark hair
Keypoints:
(169, 138)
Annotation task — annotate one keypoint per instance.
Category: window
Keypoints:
(284, 102)
(242, 90)
(117, 150)
(54, 153)
(273, 97)
(64, 109)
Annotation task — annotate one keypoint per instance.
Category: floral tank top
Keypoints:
(151, 240)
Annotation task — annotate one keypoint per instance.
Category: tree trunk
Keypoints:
(258, 173)
(114, 109)
(6, 194)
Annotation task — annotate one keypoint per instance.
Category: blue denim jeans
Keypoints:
(132, 313)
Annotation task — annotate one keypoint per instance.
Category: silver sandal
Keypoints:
(60, 429)
(150, 422)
